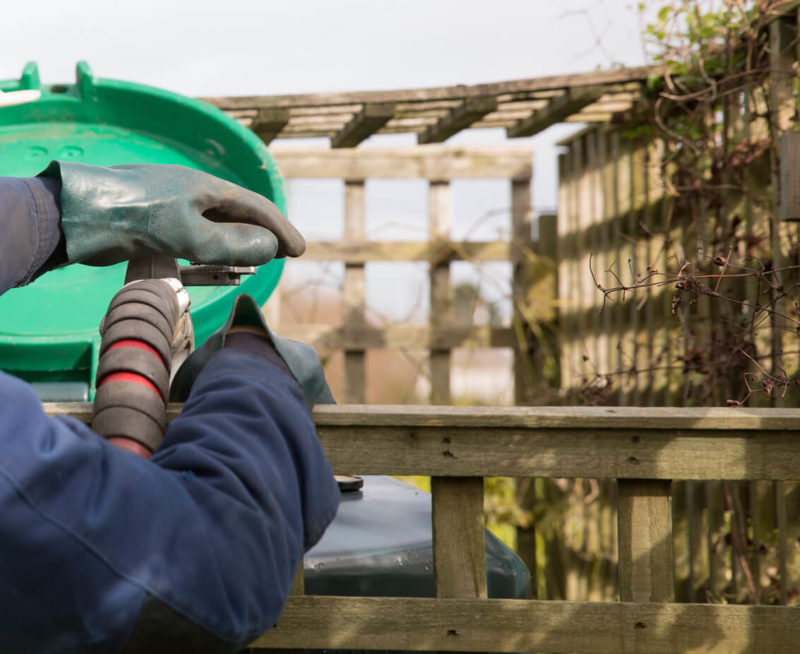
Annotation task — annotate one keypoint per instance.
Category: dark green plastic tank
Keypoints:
(380, 544)
(380, 541)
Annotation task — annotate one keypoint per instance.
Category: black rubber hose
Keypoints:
(133, 373)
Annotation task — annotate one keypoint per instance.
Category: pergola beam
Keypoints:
(557, 110)
(268, 123)
(525, 86)
(363, 125)
(461, 117)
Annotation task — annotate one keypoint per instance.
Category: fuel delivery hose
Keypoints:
(147, 324)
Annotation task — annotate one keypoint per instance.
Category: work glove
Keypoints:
(301, 359)
(110, 214)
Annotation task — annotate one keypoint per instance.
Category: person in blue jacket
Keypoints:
(195, 549)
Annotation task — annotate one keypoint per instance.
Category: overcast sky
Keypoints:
(232, 47)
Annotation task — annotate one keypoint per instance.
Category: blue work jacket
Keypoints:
(209, 532)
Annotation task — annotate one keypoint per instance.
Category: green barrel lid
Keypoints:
(49, 329)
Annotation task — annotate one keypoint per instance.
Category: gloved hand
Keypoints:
(110, 214)
(301, 359)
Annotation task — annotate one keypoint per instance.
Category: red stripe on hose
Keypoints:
(131, 446)
(139, 345)
(129, 377)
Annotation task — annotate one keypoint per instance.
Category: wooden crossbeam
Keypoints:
(569, 102)
(495, 625)
(531, 85)
(330, 337)
(363, 125)
(596, 442)
(430, 162)
(268, 123)
(461, 117)
(355, 252)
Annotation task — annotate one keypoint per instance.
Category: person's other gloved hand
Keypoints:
(301, 359)
(109, 214)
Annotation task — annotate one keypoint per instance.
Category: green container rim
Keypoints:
(48, 330)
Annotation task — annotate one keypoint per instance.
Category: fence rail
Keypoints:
(642, 448)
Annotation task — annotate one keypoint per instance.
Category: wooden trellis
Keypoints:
(437, 165)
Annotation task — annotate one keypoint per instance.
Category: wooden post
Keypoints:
(646, 566)
(459, 551)
(440, 218)
(783, 58)
(354, 284)
(520, 243)
(564, 228)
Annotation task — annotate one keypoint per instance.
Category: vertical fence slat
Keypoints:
(646, 568)
(459, 552)
(627, 336)
(440, 219)
(641, 338)
(353, 293)
(783, 57)
(520, 245)
(618, 322)
(607, 254)
(591, 216)
(298, 585)
(564, 222)
(698, 546)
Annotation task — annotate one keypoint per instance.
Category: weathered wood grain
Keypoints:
(646, 567)
(268, 123)
(458, 118)
(399, 336)
(569, 102)
(575, 418)
(434, 162)
(459, 553)
(522, 280)
(790, 175)
(436, 251)
(628, 443)
(554, 82)
(440, 313)
(526, 626)
(353, 293)
(363, 125)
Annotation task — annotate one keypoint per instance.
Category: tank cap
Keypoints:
(349, 483)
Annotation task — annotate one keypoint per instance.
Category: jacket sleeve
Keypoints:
(212, 527)
(30, 222)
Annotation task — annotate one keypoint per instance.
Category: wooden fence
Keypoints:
(674, 344)
(439, 166)
(642, 449)
(621, 207)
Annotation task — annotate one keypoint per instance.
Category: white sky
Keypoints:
(260, 47)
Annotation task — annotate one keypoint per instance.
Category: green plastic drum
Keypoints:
(49, 329)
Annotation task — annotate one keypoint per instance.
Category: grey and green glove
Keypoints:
(301, 359)
(109, 214)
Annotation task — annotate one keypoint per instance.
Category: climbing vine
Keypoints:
(717, 110)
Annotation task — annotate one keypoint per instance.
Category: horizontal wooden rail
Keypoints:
(331, 337)
(475, 625)
(432, 162)
(437, 252)
(628, 443)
